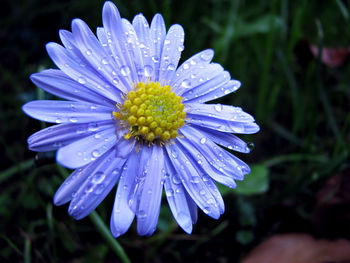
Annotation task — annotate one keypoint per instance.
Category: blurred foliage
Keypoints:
(301, 104)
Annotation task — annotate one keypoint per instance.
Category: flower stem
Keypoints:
(104, 231)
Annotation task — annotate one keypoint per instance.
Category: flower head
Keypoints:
(132, 116)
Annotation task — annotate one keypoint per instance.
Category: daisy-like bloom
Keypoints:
(132, 115)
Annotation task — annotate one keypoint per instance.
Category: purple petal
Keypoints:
(216, 92)
(122, 216)
(173, 46)
(158, 32)
(57, 111)
(95, 188)
(202, 78)
(92, 51)
(57, 136)
(151, 196)
(133, 47)
(227, 140)
(59, 84)
(80, 72)
(117, 41)
(210, 166)
(192, 181)
(200, 86)
(86, 150)
(221, 118)
(176, 196)
(142, 30)
(191, 67)
(226, 163)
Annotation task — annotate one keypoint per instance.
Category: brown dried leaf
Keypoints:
(299, 248)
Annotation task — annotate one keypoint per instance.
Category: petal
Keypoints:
(191, 66)
(173, 46)
(54, 137)
(200, 86)
(133, 47)
(221, 118)
(193, 208)
(192, 181)
(92, 51)
(219, 111)
(209, 163)
(227, 140)
(202, 78)
(142, 30)
(157, 32)
(79, 71)
(57, 111)
(59, 84)
(86, 150)
(226, 163)
(117, 41)
(176, 196)
(95, 188)
(216, 92)
(122, 216)
(151, 196)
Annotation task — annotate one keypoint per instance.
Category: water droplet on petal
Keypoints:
(171, 67)
(218, 107)
(141, 215)
(98, 177)
(148, 70)
(186, 83)
(125, 70)
(95, 153)
(88, 52)
(82, 80)
(203, 140)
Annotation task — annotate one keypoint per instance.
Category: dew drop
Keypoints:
(73, 119)
(82, 80)
(166, 42)
(185, 83)
(58, 120)
(169, 192)
(125, 70)
(99, 189)
(206, 210)
(95, 153)
(141, 215)
(104, 61)
(88, 52)
(93, 126)
(203, 140)
(186, 66)
(148, 70)
(180, 48)
(206, 56)
(98, 177)
(176, 179)
(171, 67)
(174, 154)
(218, 107)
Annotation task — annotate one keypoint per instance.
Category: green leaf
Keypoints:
(257, 182)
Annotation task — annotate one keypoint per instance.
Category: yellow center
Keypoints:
(151, 112)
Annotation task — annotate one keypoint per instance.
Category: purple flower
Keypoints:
(132, 115)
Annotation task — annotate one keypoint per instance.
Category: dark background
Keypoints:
(300, 180)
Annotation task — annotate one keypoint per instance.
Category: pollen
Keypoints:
(151, 112)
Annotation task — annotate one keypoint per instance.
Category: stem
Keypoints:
(104, 231)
